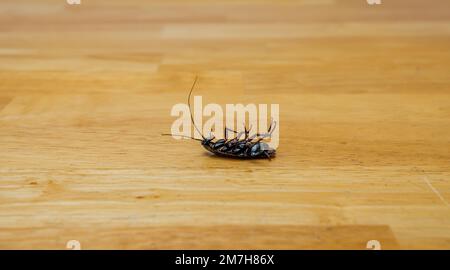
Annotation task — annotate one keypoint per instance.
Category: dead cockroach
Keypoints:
(249, 147)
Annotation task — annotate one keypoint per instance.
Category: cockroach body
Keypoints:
(250, 147)
(247, 148)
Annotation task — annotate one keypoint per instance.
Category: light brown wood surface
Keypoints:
(86, 91)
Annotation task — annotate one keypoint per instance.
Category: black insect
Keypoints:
(249, 147)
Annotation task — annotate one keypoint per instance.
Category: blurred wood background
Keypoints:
(86, 90)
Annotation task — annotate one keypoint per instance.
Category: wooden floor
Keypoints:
(86, 91)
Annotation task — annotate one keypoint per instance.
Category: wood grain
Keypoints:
(86, 91)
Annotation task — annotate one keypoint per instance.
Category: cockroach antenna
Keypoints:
(190, 111)
(192, 118)
(182, 136)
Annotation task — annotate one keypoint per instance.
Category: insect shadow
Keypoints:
(241, 146)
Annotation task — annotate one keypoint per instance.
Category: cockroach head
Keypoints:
(206, 141)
